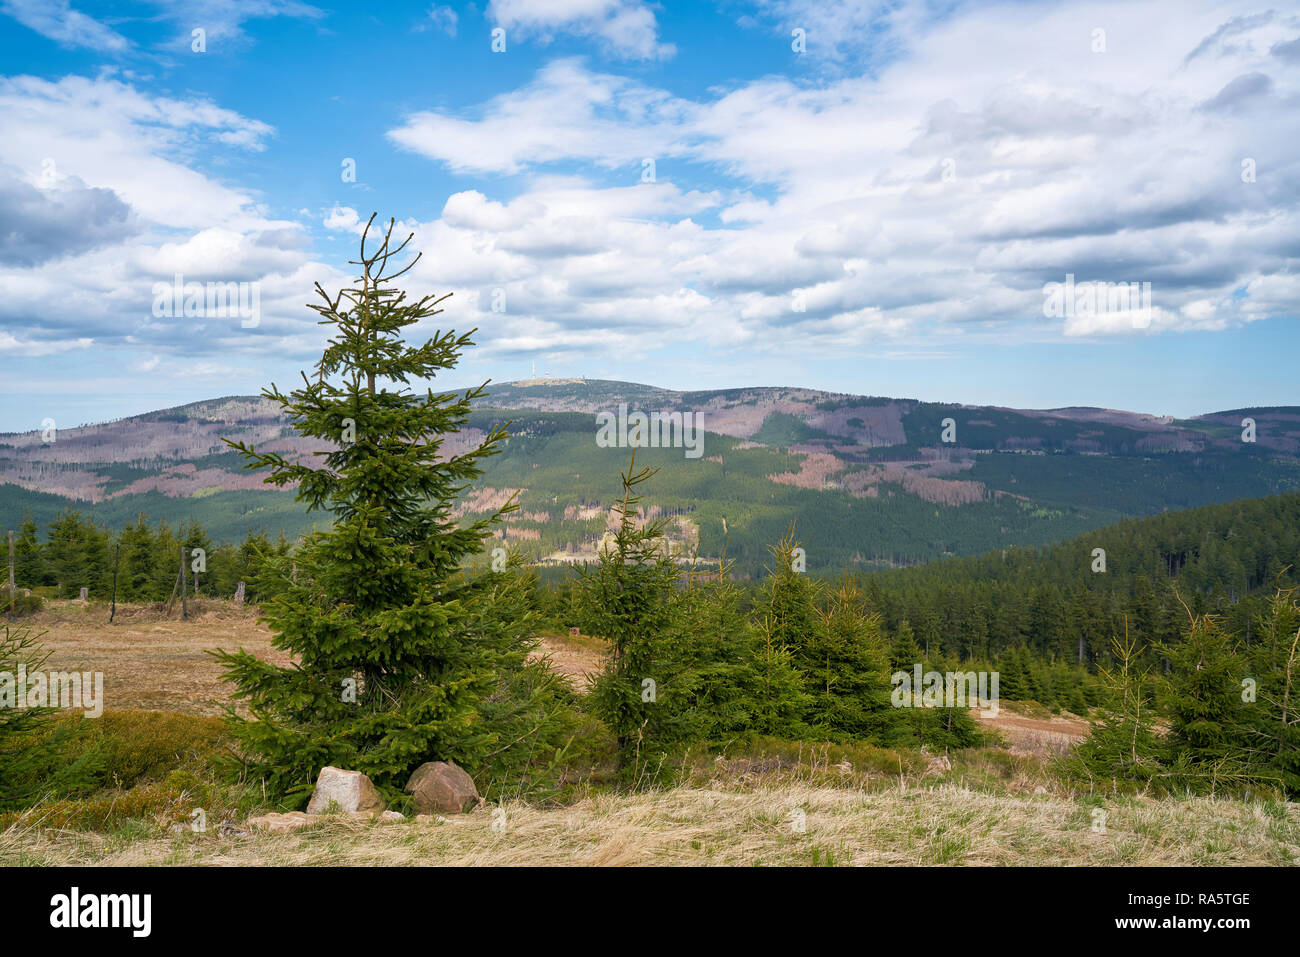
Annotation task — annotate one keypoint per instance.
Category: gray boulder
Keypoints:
(349, 791)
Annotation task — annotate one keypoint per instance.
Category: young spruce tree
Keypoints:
(630, 599)
(389, 671)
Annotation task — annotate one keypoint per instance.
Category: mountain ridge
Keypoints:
(876, 479)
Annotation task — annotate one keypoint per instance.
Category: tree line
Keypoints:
(75, 553)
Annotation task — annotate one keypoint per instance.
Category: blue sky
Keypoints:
(878, 212)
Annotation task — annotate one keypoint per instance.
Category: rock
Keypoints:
(938, 765)
(440, 787)
(392, 816)
(279, 822)
(348, 791)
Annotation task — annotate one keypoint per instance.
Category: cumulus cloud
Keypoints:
(98, 203)
(39, 224)
(995, 153)
(566, 113)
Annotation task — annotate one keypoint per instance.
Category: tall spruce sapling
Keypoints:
(1208, 743)
(1275, 714)
(850, 681)
(389, 670)
(788, 600)
(786, 617)
(630, 599)
(743, 683)
(22, 750)
(722, 651)
(1121, 746)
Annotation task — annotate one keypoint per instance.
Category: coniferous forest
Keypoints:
(1175, 636)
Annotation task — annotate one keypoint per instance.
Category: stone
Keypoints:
(938, 765)
(279, 822)
(347, 791)
(440, 787)
(392, 816)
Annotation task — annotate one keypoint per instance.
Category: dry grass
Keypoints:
(148, 661)
(945, 824)
(152, 662)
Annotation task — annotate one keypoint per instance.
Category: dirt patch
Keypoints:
(1042, 737)
(578, 659)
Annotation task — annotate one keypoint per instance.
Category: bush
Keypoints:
(72, 756)
(24, 604)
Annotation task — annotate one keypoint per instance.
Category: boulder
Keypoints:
(347, 791)
(279, 822)
(440, 787)
(938, 765)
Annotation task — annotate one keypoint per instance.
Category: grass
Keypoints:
(942, 824)
(767, 802)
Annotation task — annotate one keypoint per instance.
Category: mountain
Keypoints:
(867, 481)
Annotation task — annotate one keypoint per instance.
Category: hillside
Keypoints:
(1227, 560)
(869, 481)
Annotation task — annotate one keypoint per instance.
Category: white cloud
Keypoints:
(11, 345)
(993, 152)
(444, 18)
(67, 27)
(566, 113)
(103, 145)
(221, 20)
(624, 28)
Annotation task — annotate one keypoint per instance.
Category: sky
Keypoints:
(861, 197)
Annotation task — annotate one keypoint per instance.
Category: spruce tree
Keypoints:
(136, 561)
(788, 603)
(29, 556)
(1207, 740)
(904, 652)
(630, 599)
(723, 650)
(781, 699)
(389, 671)
(786, 617)
(1275, 714)
(849, 682)
(1121, 747)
